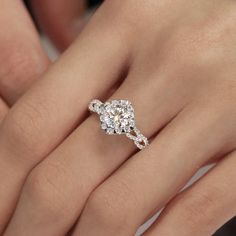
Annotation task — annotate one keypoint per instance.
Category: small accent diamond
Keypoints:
(117, 117)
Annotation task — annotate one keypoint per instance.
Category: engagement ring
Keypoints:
(116, 118)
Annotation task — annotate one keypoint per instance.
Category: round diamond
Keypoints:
(103, 126)
(117, 117)
(110, 131)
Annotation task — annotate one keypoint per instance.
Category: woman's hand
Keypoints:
(22, 59)
(178, 59)
(62, 20)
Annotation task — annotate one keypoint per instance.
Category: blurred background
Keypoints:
(229, 229)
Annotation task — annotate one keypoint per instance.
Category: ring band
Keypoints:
(117, 117)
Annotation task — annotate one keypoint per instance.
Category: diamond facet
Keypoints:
(96, 106)
(118, 117)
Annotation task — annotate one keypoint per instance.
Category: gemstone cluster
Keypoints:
(116, 117)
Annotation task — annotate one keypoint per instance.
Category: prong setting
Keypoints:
(116, 118)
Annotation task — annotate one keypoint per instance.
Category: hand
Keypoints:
(178, 59)
(62, 20)
(22, 59)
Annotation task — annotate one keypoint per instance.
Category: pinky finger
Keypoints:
(202, 208)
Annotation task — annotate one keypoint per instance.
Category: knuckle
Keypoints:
(104, 210)
(44, 193)
(113, 208)
(23, 130)
(117, 12)
(200, 209)
(20, 69)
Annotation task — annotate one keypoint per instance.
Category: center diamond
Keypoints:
(117, 117)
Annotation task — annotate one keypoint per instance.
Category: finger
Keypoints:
(146, 182)
(56, 104)
(85, 159)
(61, 20)
(3, 110)
(204, 207)
(22, 58)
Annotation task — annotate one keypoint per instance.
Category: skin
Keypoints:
(177, 67)
(22, 59)
(61, 20)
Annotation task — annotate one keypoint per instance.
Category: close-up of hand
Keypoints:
(175, 61)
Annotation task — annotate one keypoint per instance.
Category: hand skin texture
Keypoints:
(22, 59)
(62, 20)
(175, 60)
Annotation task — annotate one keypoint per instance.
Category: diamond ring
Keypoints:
(117, 117)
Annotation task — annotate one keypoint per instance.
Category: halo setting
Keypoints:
(116, 118)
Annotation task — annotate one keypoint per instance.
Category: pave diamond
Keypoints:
(117, 117)
(96, 106)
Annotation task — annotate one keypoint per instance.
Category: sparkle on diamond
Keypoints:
(117, 117)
